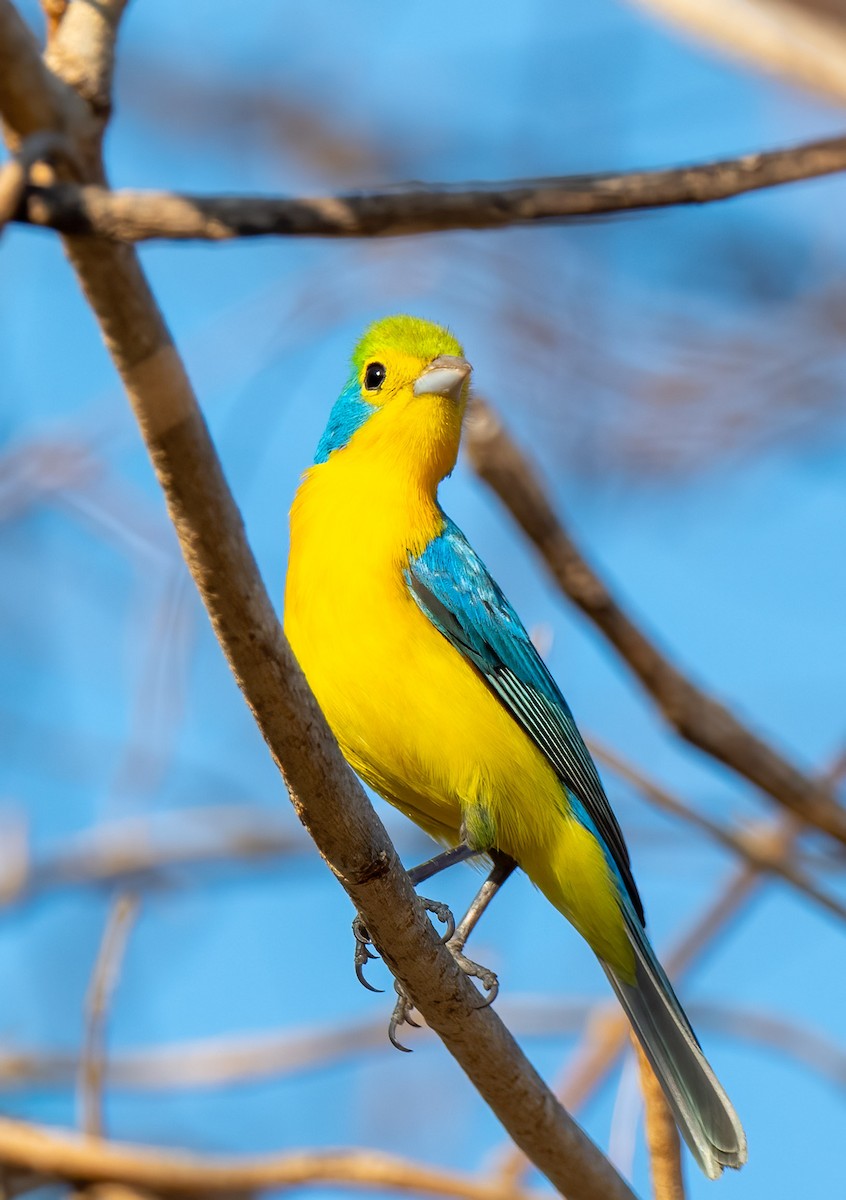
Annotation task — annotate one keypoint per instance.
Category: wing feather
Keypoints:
(451, 585)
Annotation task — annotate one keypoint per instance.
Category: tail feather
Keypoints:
(703, 1111)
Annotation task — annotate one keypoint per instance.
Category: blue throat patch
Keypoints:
(349, 412)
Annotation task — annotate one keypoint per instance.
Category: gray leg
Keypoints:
(419, 874)
(447, 858)
(503, 866)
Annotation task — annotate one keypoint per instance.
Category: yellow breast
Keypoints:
(411, 715)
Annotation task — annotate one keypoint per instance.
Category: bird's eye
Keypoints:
(374, 376)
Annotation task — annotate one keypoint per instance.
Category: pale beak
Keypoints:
(444, 376)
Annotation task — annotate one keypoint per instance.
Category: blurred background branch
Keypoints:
(698, 718)
(801, 41)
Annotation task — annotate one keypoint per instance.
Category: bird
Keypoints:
(439, 700)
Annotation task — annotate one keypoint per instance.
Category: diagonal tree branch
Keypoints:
(138, 216)
(325, 794)
(758, 847)
(698, 718)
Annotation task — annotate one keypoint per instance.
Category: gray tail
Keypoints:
(702, 1110)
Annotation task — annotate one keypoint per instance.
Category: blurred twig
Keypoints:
(698, 718)
(12, 187)
(143, 851)
(778, 37)
(104, 977)
(662, 1136)
(128, 216)
(55, 1154)
(806, 1045)
(240, 1059)
(53, 11)
(607, 1032)
(757, 846)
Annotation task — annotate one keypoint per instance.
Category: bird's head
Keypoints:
(404, 402)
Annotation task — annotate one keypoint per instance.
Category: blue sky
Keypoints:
(680, 379)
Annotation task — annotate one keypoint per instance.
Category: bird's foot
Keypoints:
(401, 1015)
(404, 1006)
(487, 978)
(363, 953)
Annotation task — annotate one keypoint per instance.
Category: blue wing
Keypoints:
(451, 585)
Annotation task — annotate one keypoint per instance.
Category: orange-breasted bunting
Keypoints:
(440, 701)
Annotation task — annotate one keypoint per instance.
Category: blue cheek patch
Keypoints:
(348, 414)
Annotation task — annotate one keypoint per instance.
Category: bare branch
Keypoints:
(82, 49)
(806, 1045)
(321, 784)
(138, 216)
(12, 187)
(223, 1061)
(758, 846)
(799, 46)
(145, 851)
(662, 1136)
(608, 1031)
(237, 1059)
(92, 1067)
(59, 1155)
(53, 11)
(32, 100)
(698, 718)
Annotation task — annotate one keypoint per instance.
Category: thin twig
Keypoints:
(240, 1059)
(806, 1045)
(755, 846)
(147, 851)
(133, 216)
(697, 716)
(608, 1031)
(104, 977)
(662, 1136)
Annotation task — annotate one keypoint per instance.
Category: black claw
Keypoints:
(492, 993)
(393, 1040)
(363, 954)
(401, 1016)
(359, 974)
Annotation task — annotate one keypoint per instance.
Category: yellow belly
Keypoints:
(417, 722)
